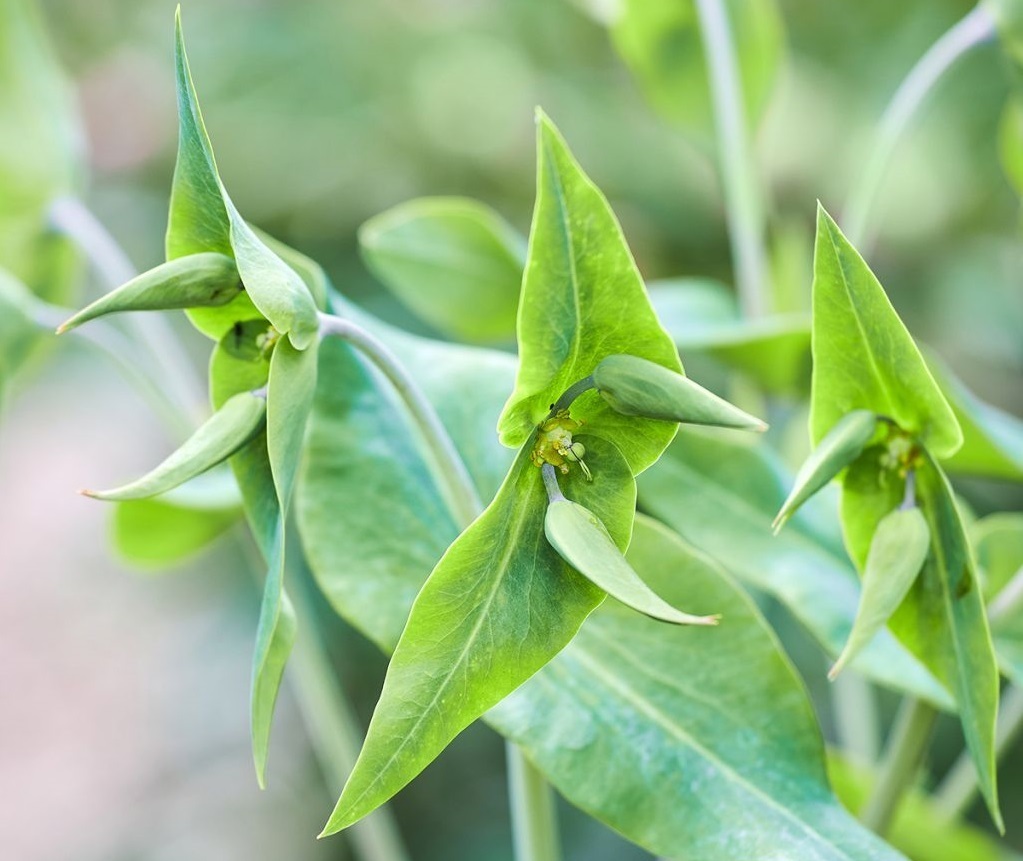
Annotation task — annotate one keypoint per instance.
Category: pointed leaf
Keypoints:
(227, 430)
(839, 447)
(583, 542)
(863, 357)
(719, 491)
(896, 556)
(203, 218)
(196, 280)
(498, 606)
(289, 400)
(869, 493)
(582, 299)
(453, 261)
(636, 387)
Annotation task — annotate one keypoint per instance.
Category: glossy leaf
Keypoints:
(582, 300)
(40, 152)
(220, 436)
(943, 622)
(203, 218)
(869, 492)
(453, 261)
(582, 541)
(619, 756)
(863, 357)
(662, 45)
(837, 449)
(719, 491)
(196, 280)
(497, 607)
(897, 554)
(155, 534)
(636, 387)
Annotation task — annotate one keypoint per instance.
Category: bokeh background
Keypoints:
(123, 717)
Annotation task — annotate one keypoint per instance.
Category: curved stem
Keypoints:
(975, 28)
(571, 393)
(959, 788)
(449, 469)
(903, 757)
(744, 207)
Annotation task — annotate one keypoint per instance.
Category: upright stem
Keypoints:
(903, 756)
(854, 709)
(744, 208)
(959, 788)
(975, 28)
(534, 823)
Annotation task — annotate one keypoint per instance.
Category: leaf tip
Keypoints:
(92, 494)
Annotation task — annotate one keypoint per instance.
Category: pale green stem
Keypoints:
(975, 28)
(903, 756)
(72, 218)
(330, 721)
(854, 709)
(532, 802)
(959, 788)
(744, 207)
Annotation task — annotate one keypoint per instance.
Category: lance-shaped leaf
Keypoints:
(719, 491)
(498, 606)
(636, 387)
(584, 543)
(453, 261)
(582, 300)
(220, 436)
(196, 280)
(896, 556)
(863, 357)
(839, 447)
(943, 622)
(203, 218)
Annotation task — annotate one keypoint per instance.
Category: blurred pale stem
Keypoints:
(854, 709)
(73, 219)
(976, 27)
(903, 756)
(959, 789)
(744, 207)
(534, 823)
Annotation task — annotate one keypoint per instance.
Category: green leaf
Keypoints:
(453, 261)
(40, 152)
(155, 534)
(289, 400)
(920, 828)
(719, 491)
(582, 300)
(943, 622)
(659, 733)
(498, 606)
(583, 542)
(839, 447)
(19, 333)
(187, 282)
(869, 493)
(998, 542)
(1010, 141)
(1008, 17)
(203, 218)
(897, 554)
(662, 46)
(636, 387)
(863, 357)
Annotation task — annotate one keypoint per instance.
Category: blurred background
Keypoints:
(124, 718)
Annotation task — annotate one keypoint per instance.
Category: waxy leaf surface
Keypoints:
(582, 299)
(863, 357)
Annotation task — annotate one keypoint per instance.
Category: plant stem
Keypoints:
(69, 216)
(959, 788)
(903, 756)
(975, 28)
(744, 207)
(854, 710)
(532, 805)
(448, 467)
(534, 819)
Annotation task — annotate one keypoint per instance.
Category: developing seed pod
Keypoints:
(637, 387)
(583, 542)
(840, 447)
(227, 430)
(195, 281)
(898, 551)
